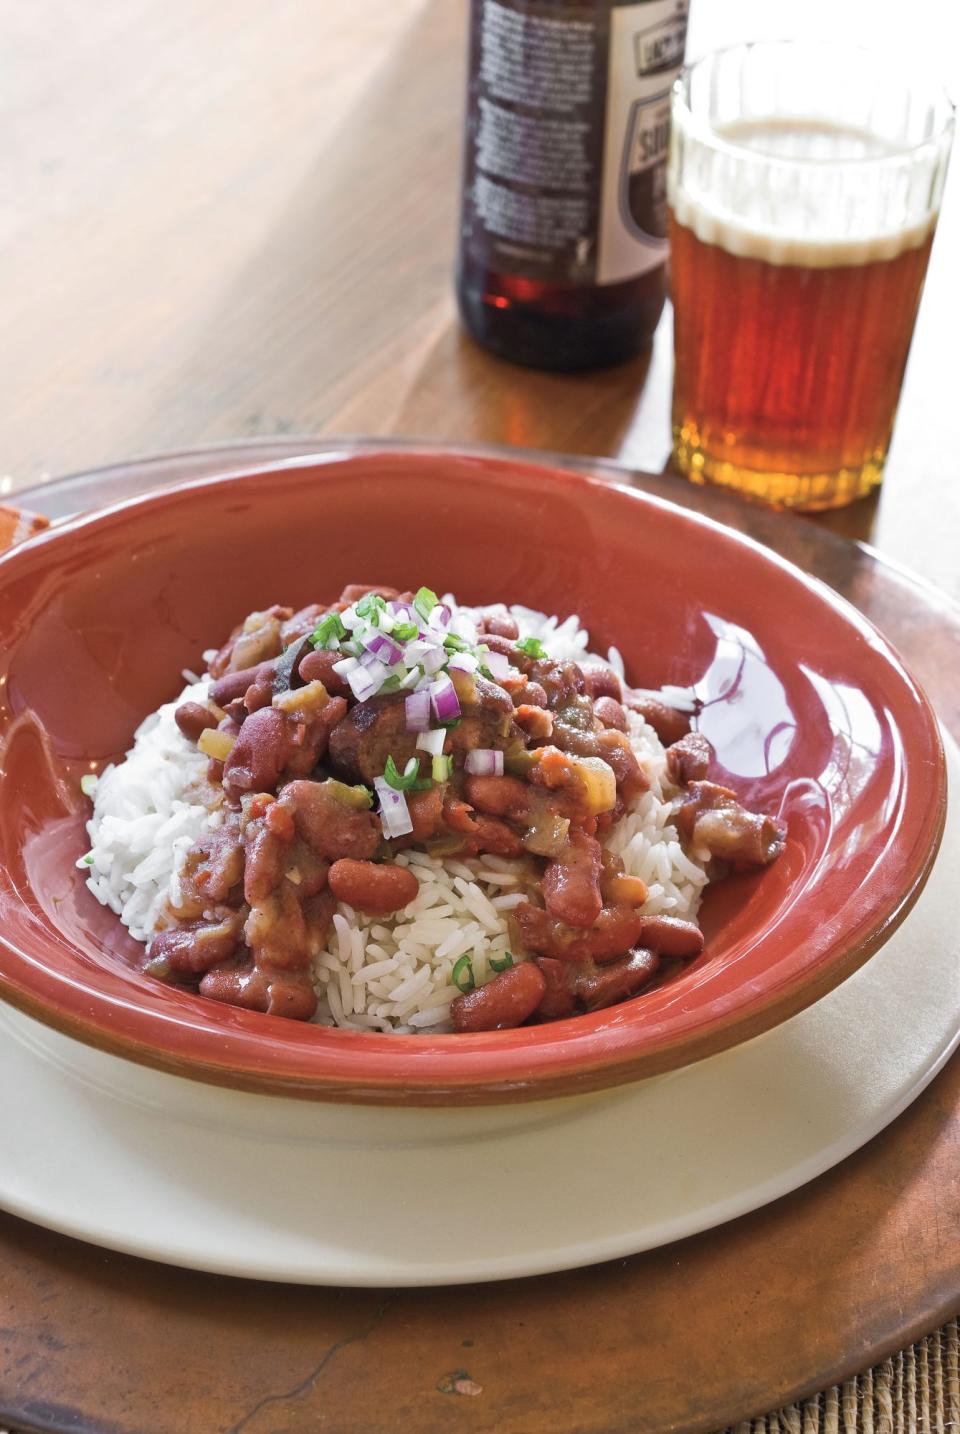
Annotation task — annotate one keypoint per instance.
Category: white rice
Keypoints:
(375, 973)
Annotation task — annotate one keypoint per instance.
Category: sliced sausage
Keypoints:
(371, 732)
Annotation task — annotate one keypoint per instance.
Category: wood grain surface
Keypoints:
(226, 219)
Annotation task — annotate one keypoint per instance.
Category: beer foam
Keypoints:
(852, 215)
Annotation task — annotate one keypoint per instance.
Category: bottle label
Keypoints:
(567, 127)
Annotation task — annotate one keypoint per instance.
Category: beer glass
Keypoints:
(803, 186)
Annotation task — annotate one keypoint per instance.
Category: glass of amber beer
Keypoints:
(804, 184)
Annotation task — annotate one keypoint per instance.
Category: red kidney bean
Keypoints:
(559, 999)
(426, 813)
(670, 936)
(502, 1003)
(317, 666)
(534, 695)
(193, 947)
(257, 988)
(613, 933)
(193, 718)
(258, 694)
(214, 865)
(265, 860)
(711, 816)
(499, 625)
(617, 982)
(499, 796)
(669, 724)
(689, 759)
(258, 755)
(353, 592)
(276, 930)
(537, 722)
(609, 711)
(234, 684)
(328, 827)
(375, 889)
(602, 681)
(571, 883)
(280, 822)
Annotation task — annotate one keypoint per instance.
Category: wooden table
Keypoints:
(239, 219)
(225, 219)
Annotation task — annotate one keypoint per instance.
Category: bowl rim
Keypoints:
(483, 1074)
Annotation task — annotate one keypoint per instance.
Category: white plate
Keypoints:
(321, 1194)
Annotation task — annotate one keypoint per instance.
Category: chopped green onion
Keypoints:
(450, 723)
(532, 646)
(369, 606)
(441, 768)
(392, 684)
(423, 784)
(355, 648)
(88, 859)
(328, 631)
(88, 784)
(462, 975)
(424, 602)
(405, 631)
(401, 781)
(503, 965)
(485, 672)
(453, 643)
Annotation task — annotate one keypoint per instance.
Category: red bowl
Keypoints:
(810, 713)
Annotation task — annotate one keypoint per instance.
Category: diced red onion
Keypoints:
(412, 679)
(417, 707)
(463, 662)
(362, 683)
(484, 762)
(499, 665)
(345, 666)
(383, 648)
(416, 649)
(431, 742)
(394, 812)
(443, 700)
(440, 615)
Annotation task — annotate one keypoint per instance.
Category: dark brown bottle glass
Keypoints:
(562, 256)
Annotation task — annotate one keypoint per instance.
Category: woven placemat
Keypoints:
(915, 1392)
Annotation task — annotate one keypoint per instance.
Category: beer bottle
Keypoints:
(562, 257)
